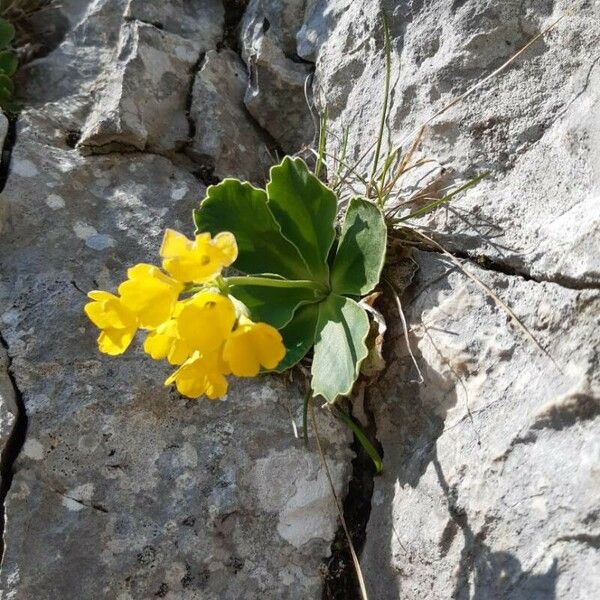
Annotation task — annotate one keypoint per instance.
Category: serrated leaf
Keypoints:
(242, 209)
(361, 251)
(342, 329)
(275, 306)
(299, 335)
(7, 33)
(8, 63)
(305, 208)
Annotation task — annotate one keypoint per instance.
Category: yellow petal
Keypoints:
(198, 261)
(227, 246)
(115, 341)
(174, 244)
(251, 346)
(197, 377)
(206, 320)
(107, 310)
(163, 342)
(150, 294)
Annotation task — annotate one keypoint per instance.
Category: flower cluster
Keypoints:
(191, 320)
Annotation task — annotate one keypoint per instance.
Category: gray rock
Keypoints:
(142, 105)
(3, 129)
(533, 119)
(199, 21)
(490, 487)
(63, 82)
(275, 96)
(282, 19)
(123, 489)
(8, 403)
(225, 140)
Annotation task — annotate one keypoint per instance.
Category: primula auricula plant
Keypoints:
(302, 278)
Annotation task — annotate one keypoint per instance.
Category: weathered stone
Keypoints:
(8, 404)
(199, 21)
(282, 19)
(123, 489)
(142, 106)
(225, 140)
(63, 82)
(491, 482)
(490, 487)
(276, 95)
(535, 118)
(3, 130)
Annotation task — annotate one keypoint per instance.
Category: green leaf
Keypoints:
(7, 33)
(340, 347)
(361, 252)
(7, 84)
(8, 63)
(305, 208)
(5, 98)
(299, 335)
(242, 209)
(275, 306)
(362, 438)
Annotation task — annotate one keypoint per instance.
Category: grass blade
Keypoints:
(362, 438)
(437, 203)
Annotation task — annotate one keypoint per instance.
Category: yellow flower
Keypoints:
(164, 342)
(201, 374)
(117, 322)
(252, 345)
(206, 320)
(150, 294)
(200, 260)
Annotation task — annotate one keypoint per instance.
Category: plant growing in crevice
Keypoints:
(305, 273)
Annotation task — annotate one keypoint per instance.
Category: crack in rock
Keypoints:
(16, 438)
(340, 581)
(490, 264)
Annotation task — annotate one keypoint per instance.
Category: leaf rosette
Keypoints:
(301, 275)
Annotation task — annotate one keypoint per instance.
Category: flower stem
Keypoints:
(278, 283)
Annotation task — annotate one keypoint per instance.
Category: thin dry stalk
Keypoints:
(359, 575)
(491, 294)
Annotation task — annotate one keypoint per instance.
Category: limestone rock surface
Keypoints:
(491, 483)
(491, 480)
(122, 489)
(142, 104)
(535, 118)
(225, 140)
(277, 92)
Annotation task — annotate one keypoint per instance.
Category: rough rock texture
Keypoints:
(276, 95)
(491, 487)
(222, 131)
(491, 483)
(535, 118)
(123, 489)
(199, 21)
(8, 404)
(282, 19)
(142, 105)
